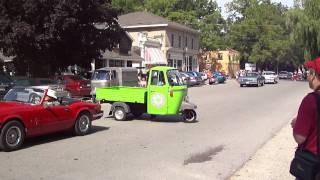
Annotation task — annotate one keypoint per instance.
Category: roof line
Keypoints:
(142, 26)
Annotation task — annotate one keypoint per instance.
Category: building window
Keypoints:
(116, 63)
(186, 42)
(172, 40)
(219, 56)
(192, 43)
(170, 62)
(190, 63)
(179, 65)
(179, 41)
(129, 63)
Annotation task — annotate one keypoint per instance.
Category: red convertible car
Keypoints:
(33, 111)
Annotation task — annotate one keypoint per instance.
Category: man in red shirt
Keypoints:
(305, 124)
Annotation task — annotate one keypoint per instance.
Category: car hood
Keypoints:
(246, 77)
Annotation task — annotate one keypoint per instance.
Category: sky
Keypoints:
(222, 3)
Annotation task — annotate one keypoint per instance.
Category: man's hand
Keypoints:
(293, 122)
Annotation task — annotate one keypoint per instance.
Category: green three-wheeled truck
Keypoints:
(165, 94)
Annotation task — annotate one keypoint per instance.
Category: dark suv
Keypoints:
(6, 84)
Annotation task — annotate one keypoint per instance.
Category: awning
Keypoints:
(154, 56)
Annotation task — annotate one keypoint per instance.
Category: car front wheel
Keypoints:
(83, 124)
(12, 136)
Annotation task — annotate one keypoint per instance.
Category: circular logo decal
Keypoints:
(157, 100)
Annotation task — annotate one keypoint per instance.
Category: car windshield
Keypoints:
(174, 78)
(252, 74)
(100, 75)
(269, 73)
(26, 95)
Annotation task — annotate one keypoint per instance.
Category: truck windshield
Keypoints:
(174, 78)
(100, 75)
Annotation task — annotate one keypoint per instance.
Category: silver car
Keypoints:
(251, 79)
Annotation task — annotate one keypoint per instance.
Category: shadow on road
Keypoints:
(157, 118)
(30, 142)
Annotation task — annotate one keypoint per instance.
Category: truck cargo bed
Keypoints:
(122, 94)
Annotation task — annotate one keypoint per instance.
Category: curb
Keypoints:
(272, 161)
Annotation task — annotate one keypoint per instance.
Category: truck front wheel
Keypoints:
(119, 114)
(189, 116)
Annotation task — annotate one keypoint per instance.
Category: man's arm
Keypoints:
(299, 139)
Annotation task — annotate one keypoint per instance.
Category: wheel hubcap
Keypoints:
(13, 136)
(119, 114)
(84, 123)
(189, 115)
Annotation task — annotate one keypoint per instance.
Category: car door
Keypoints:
(62, 114)
(157, 93)
(43, 120)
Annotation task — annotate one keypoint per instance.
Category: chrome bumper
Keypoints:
(98, 115)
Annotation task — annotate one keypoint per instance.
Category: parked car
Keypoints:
(78, 86)
(6, 84)
(204, 76)
(220, 78)
(28, 112)
(251, 78)
(270, 77)
(25, 81)
(186, 78)
(290, 76)
(283, 75)
(194, 80)
(212, 80)
(197, 76)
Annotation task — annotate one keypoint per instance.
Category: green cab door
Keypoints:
(157, 93)
(177, 91)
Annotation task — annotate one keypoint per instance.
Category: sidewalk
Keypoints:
(272, 161)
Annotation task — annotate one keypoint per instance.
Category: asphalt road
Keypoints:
(233, 124)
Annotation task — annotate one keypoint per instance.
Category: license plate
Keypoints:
(247, 82)
(2, 89)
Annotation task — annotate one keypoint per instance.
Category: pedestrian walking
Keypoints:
(305, 127)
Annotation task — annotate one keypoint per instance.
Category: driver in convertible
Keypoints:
(50, 98)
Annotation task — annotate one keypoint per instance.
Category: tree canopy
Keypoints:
(50, 34)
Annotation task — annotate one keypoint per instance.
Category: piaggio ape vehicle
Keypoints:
(165, 94)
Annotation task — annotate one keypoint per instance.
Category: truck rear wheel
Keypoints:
(119, 114)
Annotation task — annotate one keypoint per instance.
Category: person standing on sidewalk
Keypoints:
(305, 124)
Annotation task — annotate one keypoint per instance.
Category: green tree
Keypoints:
(47, 35)
(308, 28)
(127, 6)
(260, 32)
